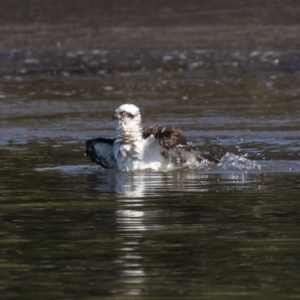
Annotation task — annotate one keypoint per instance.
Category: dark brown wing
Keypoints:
(148, 131)
(168, 138)
(172, 139)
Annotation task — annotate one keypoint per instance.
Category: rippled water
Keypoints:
(70, 229)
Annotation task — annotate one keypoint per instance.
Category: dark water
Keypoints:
(70, 230)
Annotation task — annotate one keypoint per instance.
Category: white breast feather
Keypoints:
(140, 155)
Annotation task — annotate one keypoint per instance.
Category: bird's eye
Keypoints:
(124, 113)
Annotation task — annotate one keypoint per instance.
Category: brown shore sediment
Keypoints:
(162, 25)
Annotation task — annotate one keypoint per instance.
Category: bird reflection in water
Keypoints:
(137, 215)
(153, 184)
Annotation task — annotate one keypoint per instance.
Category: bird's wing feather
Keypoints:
(175, 144)
(100, 151)
(168, 138)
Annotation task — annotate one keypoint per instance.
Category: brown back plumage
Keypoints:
(171, 138)
(168, 138)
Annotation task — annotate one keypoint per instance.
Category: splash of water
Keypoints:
(231, 161)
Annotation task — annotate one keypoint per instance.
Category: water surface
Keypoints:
(70, 229)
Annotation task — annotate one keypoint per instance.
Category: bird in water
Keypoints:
(136, 147)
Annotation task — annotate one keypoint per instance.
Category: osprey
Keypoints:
(136, 147)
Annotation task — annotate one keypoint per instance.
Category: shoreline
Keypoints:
(151, 25)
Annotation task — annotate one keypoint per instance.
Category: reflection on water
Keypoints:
(69, 229)
(72, 230)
